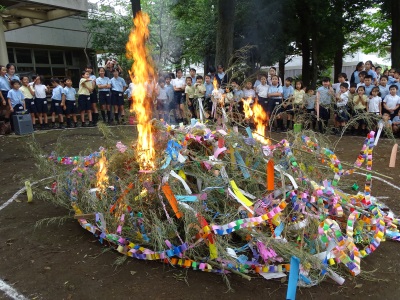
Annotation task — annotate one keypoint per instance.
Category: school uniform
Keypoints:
(56, 99)
(354, 77)
(373, 74)
(40, 98)
(222, 79)
(4, 87)
(84, 95)
(272, 102)
(17, 100)
(341, 111)
(104, 93)
(262, 93)
(93, 95)
(325, 100)
(368, 89)
(391, 102)
(28, 98)
(117, 90)
(179, 95)
(70, 102)
(209, 88)
(287, 91)
(374, 104)
(162, 98)
(384, 90)
(170, 94)
(189, 90)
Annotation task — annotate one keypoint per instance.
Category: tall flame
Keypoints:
(256, 112)
(142, 69)
(102, 177)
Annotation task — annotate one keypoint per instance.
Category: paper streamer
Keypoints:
(242, 165)
(293, 278)
(378, 134)
(237, 192)
(270, 176)
(392, 162)
(29, 191)
(187, 188)
(171, 199)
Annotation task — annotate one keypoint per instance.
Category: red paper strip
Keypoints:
(122, 196)
(270, 176)
(221, 142)
(171, 199)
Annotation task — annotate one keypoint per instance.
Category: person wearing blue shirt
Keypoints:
(383, 86)
(274, 98)
(15, 99)
(104, 85)
(354, 76)
(57, 104)
(118, 87)
(70, 103)
(10, 75)
(368, 85)
(325, 95)
(288, 89)
(4, 88)
(368, 69)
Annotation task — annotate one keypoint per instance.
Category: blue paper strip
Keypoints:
(279, 229)
(186, 198)
(242, 165)
(293, 278)
(248, 130)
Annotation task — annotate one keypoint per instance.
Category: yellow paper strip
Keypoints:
(239, 194)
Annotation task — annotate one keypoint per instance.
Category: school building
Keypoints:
(46, 37)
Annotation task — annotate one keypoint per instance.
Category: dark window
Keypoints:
(46, 72)
(23, 56)
(57, 57)
(68, 58)
(10, 52)
(42, 57)
(59, 72)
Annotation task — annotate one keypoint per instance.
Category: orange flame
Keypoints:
(260, 117)
(215, 84)
(102, 178)
(142, 69)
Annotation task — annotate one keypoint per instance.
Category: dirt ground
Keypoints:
(67, 262)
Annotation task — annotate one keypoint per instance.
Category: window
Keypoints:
(68, 58)
(59, 72)
(57, 57)
(24, 56)
(42, 57)
(46, 72)
(10, 52)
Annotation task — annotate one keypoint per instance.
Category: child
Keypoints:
(4, 88)
(28, 98)
(162, 100)
(341, 102)
(84, 105)
(57, 104)
(70, 103)
(298, 101)
(309, 99)
(360, 107)
(386, 122)
(118, 87)
(325, 96)
(199, 93)
(395, 123)
(375, 104)
(368, 69)
(275, 93)
(368, 85)
(361, 76)
(41, 101)
(189, 94)
(391, 102)
(378, 71)
(262, 92)
(342, 77)
(15, 99)
(383, 86)
(209, 88)
(104, 85)
(179, 89)
(287, 89)
(93, 95)
(272, 72)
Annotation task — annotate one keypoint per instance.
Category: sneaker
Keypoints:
(54, 126)
(91, 124)
(61, 126)
(83, 124)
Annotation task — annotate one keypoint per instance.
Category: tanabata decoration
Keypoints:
(219, 201)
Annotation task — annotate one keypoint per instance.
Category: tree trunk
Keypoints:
(135, 7)
(281, 67)
(305, 52)
(395, 33)
(338, 63)
(314, 65)
(225, 26)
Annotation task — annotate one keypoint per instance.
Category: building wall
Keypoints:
(81, 5)
(65, 32)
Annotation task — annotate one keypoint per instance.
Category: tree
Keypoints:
(225, 30)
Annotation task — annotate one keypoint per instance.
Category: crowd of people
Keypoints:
(368, 100)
